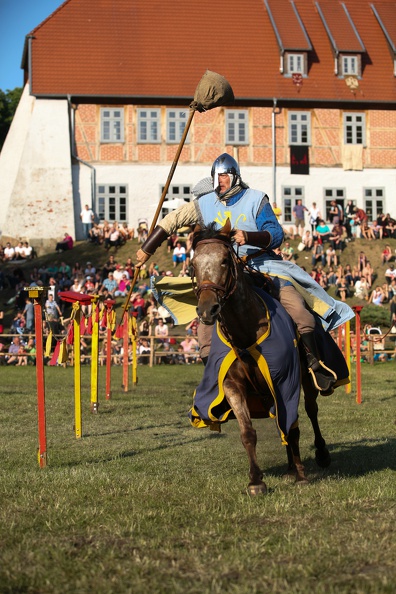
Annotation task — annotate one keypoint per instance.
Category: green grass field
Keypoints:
(146, 503)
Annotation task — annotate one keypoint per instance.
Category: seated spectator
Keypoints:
(322, 232)
(161, 331)
(342, 290)
(337, 237)
(9, 253)
(123, 287)
(317, 253)
(95, 234)
(331, 276)
(192, 327)
(307, 240)
(390, 274)
(179, 255)
(348, 274)
(144, 351)
(171, 242)
(144, 329)
(65, 244)
(390, 229)
(110, 284)
(113, 239)
(27, 251)
(76, 286)
(361, 289)
(190, 348)
(385, 290)
(377, 296)
(287, 252)
(89, 285)
(386, 255)
(14, 351)
(19, 251)
(138, 306)
(368, 273)
(331, 256)
(367, 231)
(142, 232)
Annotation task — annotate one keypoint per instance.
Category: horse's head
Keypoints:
(214, 268)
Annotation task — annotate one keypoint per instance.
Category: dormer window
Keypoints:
(349, 65)
(295, 63)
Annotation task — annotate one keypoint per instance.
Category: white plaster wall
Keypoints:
(12, 150)
(145, 181)
(41, 202)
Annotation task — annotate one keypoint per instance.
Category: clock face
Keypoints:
(351, 82)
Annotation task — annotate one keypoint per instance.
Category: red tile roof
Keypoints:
(160, 49)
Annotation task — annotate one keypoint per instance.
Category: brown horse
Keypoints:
(225, 296)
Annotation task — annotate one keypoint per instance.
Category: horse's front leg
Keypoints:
(322, 455)
(235, 393)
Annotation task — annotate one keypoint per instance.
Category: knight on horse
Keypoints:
(257, 233)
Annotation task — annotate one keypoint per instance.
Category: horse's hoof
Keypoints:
(254, 490)
(302, 481)
(323, 458)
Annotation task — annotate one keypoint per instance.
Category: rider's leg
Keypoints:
(322, 377)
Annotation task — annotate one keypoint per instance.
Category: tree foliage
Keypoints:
(9, 100)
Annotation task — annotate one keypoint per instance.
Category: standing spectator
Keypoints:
(87, 218)
(277, 211)
(336, 214)
(28, 313)
(349, 218)
(299, 222)
(53, 313)
(314, 216)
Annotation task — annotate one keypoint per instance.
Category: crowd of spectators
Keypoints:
(323, 244)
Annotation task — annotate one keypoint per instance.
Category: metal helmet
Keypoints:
(225, 164)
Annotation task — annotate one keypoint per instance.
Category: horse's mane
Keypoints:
(209, 232)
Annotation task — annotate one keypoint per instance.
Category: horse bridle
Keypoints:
(222, 292)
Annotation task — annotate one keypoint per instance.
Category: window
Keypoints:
(337, 194)
(349, 66)
(295, 63)
(299, 127)
(112, 125)
(290, 195)
(373, 202)
(112, 203)
(354, 128)
(149, 125)
(176, 120)
(175, 197)
(237, 127)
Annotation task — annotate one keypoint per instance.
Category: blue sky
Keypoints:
(17, 19)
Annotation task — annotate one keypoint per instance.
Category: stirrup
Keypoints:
(323, 377)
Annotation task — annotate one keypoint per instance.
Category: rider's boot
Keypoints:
(322, 377)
